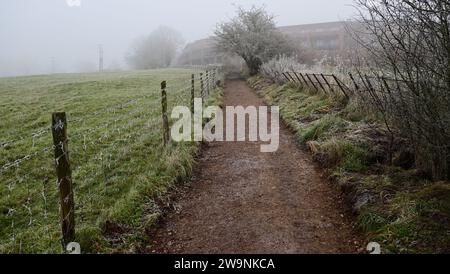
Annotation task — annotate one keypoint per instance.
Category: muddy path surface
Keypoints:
(243, 201)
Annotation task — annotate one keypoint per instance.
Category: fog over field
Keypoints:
(57, 36)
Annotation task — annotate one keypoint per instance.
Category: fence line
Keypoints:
(344, 85)
(29, 209)
(44, 130)
(332, 84)
(327, 83)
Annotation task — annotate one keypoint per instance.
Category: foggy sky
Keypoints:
(45, 36)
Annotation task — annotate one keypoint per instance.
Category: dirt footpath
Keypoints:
(243, 201)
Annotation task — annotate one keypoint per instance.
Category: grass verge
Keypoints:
(395, 205)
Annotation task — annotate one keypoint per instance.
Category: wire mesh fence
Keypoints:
(91, 156)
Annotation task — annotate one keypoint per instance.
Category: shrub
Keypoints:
(280, 64)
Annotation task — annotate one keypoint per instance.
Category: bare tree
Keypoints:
(158, 50)
(405, 69)
(252, 35)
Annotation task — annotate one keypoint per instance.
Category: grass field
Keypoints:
(119, 165)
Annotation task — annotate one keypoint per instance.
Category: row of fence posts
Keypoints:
(306, 80)
(366, 82)
(62, 160)
(211, 79)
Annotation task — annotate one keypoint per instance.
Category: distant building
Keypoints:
(318, 40)
(201, 52)
(323, 36)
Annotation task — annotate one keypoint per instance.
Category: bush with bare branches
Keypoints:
(404, 65)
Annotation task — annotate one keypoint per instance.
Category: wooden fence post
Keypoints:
(328, 83)
(354, 82)
(290, 76)
(320, 83)
(202, 87)
(216, 75)
(369, 84)
(304, 80)
(164, 113)
(285, 76)
(314, 85)
(192, 92)
(208, 76)
(64, 174)
(341, 86)
(298, 78)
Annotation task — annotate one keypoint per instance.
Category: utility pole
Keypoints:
(100, 58)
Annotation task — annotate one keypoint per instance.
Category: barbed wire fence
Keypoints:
(43, 219)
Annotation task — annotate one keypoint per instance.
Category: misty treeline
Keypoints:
(158, 50)
(404, 64)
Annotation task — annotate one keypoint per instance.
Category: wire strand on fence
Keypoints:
(17, 163)
(96, 146)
